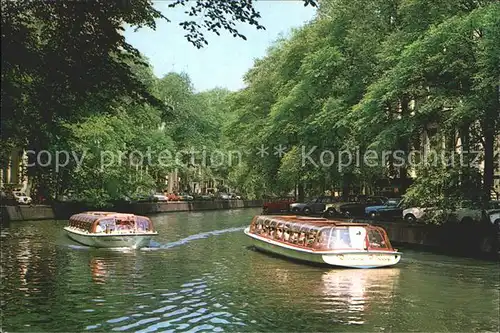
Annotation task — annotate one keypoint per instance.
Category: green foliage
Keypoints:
(63, 63)
(367, 75)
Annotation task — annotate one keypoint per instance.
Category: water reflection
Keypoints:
(105, 265)
(211, 281)
(342, 296)
(99, 271)
(352, 291)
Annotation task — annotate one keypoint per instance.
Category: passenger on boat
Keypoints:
(123, 226)
(265, 230)
(99, 229)
(287, 236)
(311, 239)
(279, 234)
(302, 238)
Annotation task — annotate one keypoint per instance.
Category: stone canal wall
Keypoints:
(20, 213)
(476, 240)
(65, 210)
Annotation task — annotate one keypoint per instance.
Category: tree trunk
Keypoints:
(489, 141)
(403, 144)
(346, 186)
(300, 191)
(489, 131)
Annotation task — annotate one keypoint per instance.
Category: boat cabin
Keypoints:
(108, 222)
(321, 234)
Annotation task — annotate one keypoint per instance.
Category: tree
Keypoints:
(65, 61)
(367, 76)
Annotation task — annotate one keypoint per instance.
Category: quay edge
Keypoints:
(62, 211)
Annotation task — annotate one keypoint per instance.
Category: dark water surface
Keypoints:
(200, 275)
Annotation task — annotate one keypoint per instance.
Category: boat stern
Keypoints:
(363, 259)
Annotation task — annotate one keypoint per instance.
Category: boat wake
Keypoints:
(79, 247)
(157, 246)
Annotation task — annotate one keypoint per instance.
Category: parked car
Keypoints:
(333, 209)
(235, 196)
(203, 197)
(358, 208)
(161, 197)
(223, 196)
(492, 212)
(314, 206)
(468, 212)
(144, 198)
(21, 198)
(120, 201)
(494, 217)
(277, 205)
(416, 214)
(172, 197)
(185, 196)
(391, 208)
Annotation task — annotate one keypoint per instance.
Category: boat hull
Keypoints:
(134, 241)
(346, 259)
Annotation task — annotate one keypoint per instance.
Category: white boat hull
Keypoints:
(134, 241)
(347, 259)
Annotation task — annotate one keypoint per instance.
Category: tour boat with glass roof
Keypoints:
(323, 241)
(111, 230)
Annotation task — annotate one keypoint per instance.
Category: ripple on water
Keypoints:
(205, 278)
(191, 311)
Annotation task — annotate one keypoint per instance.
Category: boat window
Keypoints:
(311, 237)
(260, 227)
(142, 224)
(272, 230)
(253, 225)
(125, 225)
(286, 232)
(265, 228)
(322, 239)
(279, 231)
(346, 238)
(302, 238)
(340, 239)
(376, 239)
(108, 225)
(358, 237)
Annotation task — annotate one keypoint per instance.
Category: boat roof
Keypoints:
(310, 221)
(97, 215)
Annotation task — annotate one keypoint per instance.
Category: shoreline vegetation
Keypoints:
(361, 76)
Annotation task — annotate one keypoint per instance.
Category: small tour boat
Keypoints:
(323, 241)
(108, 229)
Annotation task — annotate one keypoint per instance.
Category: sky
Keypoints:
(223, 62)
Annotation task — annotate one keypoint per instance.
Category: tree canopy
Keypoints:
(380, 76)
(67, 62)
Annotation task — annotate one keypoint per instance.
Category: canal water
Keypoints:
(201, 275)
